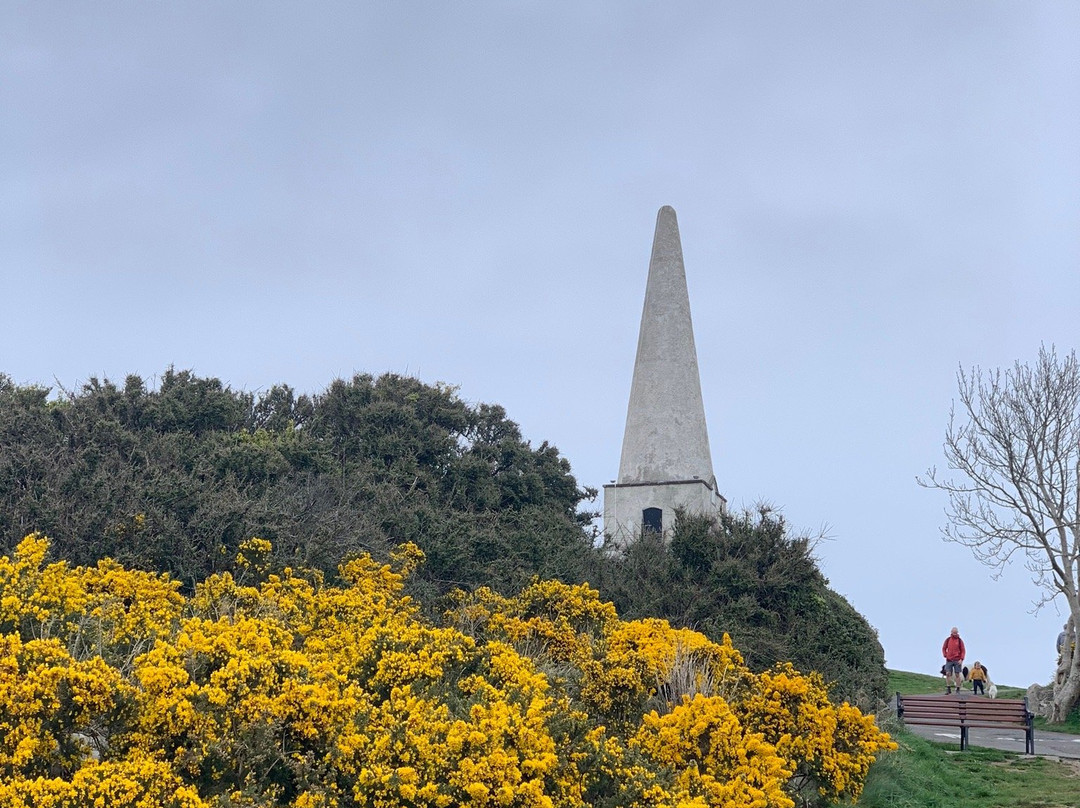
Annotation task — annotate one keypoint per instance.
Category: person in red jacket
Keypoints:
(953, 651)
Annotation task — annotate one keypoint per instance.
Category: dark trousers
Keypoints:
(977, 686)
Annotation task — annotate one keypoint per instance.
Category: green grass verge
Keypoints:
(923, 774)
(1070, 725)
(914, 684)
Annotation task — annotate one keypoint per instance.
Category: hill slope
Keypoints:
(175, 479)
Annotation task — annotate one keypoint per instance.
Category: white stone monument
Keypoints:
(666, 462)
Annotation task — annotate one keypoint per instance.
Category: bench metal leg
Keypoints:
(963, 738)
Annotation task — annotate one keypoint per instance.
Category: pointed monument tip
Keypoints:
(667, 225)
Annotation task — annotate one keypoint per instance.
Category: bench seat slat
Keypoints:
(938, 722)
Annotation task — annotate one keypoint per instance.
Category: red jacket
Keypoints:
(953, 649)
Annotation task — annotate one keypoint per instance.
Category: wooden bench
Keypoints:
(966, 711)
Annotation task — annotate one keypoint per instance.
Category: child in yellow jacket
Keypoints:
(979, 677)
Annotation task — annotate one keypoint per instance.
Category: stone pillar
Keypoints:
(666, 462)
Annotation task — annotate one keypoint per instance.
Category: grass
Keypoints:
(923, 774)
(1070, 725)
(914, 684)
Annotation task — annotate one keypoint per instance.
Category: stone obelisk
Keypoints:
(666, 462)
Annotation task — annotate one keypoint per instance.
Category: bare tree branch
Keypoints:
(1014, 441)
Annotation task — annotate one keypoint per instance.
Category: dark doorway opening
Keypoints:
(652, 519)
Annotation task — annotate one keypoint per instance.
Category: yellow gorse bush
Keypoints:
(715, 759)
(274, 688)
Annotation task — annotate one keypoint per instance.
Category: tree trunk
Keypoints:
(1065, 696)
(1067, 681)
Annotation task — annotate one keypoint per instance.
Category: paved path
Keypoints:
(1047, 744)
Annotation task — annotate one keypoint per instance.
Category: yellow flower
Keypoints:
(117, 690)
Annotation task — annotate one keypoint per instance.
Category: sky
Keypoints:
(870, 197)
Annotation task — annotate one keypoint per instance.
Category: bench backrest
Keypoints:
(1004, 711)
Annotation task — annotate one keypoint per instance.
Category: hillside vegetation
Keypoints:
(175, 479)
(744, 574)
(273, 688)
(924, 774)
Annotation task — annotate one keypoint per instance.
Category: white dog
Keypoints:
(991, 691)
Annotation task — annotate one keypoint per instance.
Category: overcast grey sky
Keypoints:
(870, 195)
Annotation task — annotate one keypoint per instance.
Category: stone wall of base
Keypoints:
(625, 505)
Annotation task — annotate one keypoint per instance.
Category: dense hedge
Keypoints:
(174, 479)
(745, 575)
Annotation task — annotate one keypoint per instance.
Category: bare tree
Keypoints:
(1016, 445)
